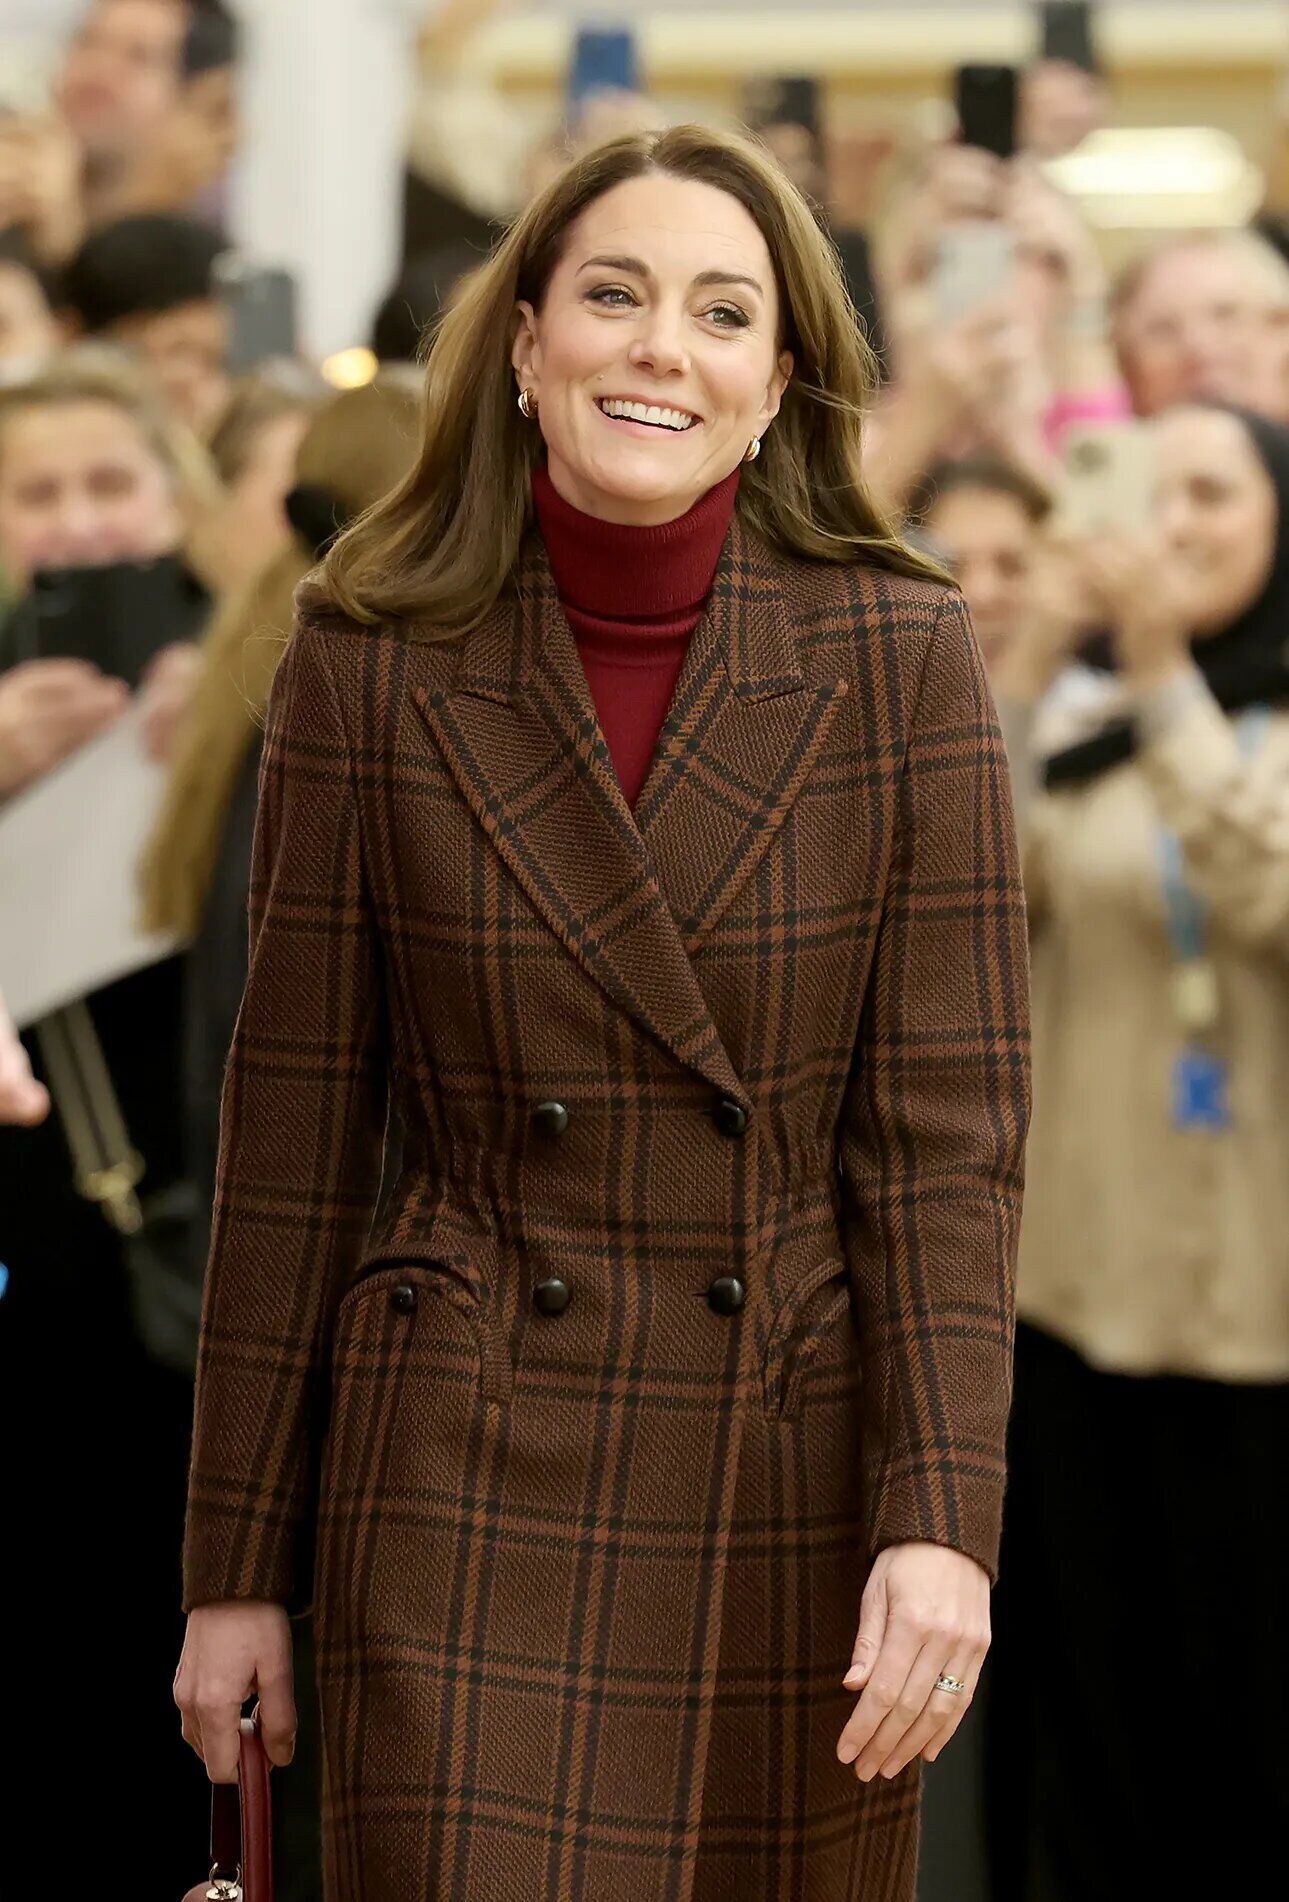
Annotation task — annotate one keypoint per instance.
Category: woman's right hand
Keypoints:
(49, 708)
(233, 1651)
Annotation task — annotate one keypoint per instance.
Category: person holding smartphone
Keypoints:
(98, 487)
(1145, 1559)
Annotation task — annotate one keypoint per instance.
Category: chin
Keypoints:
(643, 479)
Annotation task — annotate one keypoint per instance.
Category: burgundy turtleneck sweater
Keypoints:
(633, 597)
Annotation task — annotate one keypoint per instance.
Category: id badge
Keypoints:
(1201, 1095)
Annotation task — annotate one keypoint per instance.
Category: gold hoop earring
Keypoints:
(527, 405)
(753, 450)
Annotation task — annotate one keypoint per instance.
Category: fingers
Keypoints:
(868, 1639)
(277, 1714)
(884, 1689)
(941, 1714)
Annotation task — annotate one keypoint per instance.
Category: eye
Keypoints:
(729, 316)
(608, 295)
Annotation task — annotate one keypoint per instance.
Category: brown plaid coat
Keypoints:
(586, 1538)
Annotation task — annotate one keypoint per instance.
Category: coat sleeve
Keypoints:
(302, 1121)
(935, 1121)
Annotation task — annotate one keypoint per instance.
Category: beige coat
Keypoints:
(1148, 1248)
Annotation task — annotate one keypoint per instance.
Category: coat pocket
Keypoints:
(815, 1309)
(405, 1292)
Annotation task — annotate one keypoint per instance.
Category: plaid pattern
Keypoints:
(585, 1584)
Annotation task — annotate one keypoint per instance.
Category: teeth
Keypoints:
(647, 413)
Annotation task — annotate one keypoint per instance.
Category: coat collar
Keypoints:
(633, 895)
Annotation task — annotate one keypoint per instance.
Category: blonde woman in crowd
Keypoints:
(101, 487)
(1145, 1572)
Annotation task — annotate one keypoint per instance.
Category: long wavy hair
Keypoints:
(436, 552)
(357, 446)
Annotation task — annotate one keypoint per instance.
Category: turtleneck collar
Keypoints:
(617, 571)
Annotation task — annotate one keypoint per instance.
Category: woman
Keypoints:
(98, 491)
(1150, 1439)
(651, 862)
(197, 869)
(254, 447)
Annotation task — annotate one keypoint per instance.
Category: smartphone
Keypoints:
(784, 101)
(1066, 33)
(1108, 478)
(604, 60)
(985, 97)
(973, 263)
(261, 302)
(116, 616)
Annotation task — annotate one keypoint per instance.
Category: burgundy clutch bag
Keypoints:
(241, 1829)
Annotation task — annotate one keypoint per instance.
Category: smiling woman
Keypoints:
(634, 817)
(675, 269)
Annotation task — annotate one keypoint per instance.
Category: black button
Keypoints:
(726, 1294)
(552, 1296)
(550, 1119)
(731, 1117)
(403, 1297)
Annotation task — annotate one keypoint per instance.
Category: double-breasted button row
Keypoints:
(725, 1296)
(552, 1118)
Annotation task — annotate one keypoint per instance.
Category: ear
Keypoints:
(777, 385)
(525, 355)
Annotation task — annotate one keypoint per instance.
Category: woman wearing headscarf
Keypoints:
(1146, 1572)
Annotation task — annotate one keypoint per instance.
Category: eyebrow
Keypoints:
(636, 267)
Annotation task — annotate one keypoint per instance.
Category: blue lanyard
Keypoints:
(1187, 912)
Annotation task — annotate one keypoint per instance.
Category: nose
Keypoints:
(659, 344)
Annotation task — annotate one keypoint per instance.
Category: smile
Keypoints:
(624, 409)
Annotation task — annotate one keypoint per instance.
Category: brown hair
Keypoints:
(991, 473)
(256, 402)
(437, 551)
(361, 443)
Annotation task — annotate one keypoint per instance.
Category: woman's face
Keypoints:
(989, 541)
(80, 485)
(1216, 507)
(664, 298)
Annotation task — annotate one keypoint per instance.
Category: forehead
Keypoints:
(1200, 274)
(980, 513)
(1207, 439)
(677, 221)
(69, 432)
(157, 22)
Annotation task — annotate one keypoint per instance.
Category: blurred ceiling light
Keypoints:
(1150, 176)
(350, 369)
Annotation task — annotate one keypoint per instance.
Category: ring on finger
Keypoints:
(955, 1685)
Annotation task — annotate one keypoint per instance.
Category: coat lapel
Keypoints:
(631, 896)
(744, 728)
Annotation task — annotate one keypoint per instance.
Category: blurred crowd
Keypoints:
(166, 481)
